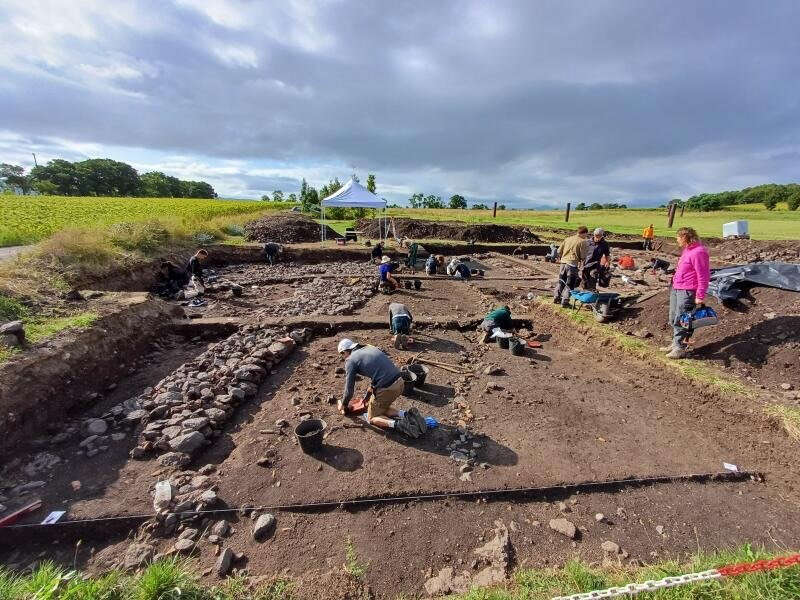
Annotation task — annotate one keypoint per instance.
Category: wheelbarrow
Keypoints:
(604, 305)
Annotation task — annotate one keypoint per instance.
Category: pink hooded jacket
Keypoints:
(692, 272)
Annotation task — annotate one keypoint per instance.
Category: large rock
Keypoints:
(174, 459)
(195, 423)
(188, 443)
(264, 527)
(564, 527)
(136, 415)
(163, 495)
(10, 340)
(224, 563)
(12, 327)
(137, 555)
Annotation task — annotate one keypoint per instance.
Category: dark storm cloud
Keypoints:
(527, 101)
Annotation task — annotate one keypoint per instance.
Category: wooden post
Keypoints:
(683, 208)
(566, 214)
(671, 215)
(494, 211)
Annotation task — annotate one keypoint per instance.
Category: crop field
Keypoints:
(28, 219)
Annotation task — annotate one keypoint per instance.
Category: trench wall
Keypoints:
(42, 385)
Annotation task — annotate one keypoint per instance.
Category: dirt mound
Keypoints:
(286, 228)
(452, 230)
(744, 251)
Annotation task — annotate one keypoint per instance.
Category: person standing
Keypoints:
(195, 271)
(647, 237)
(597, 260)
(688, 289)
(573, 252)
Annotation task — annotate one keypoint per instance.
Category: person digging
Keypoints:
(400, 320)
(195, 270)
(499, 318)
(272, 251)
(385, 279)
(386, 385)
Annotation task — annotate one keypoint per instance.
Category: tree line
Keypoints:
(100, 177)
(768, 194)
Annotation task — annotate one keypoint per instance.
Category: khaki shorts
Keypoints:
(382, 399)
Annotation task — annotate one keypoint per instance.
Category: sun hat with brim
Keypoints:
(385, 259)
(346, 344)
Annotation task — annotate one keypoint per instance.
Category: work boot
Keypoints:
(565, 304)
(677, 352)
(418, 421)
(556, 300)
(406, 426)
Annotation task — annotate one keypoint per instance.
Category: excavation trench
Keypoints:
(576, 409)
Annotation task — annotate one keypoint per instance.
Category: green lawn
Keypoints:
(29, 219)
(779, 224)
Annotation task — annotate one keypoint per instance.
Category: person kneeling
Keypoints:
(386, 385)
(387, 282)
(400, 324)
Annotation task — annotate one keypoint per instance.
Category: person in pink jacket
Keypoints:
(689, 287)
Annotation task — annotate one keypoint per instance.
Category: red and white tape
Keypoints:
(727, 571)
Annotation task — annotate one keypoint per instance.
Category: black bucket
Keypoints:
(409, 381)
(407, 283)
(517, 346)
(309, 434)
(421, 371)
(503, 342)
(417, 284)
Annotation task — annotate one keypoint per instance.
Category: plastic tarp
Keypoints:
(353, 195)
(729, 283)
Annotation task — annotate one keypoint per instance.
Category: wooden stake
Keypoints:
(566, 215)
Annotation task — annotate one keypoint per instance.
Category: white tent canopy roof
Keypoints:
(353, 194)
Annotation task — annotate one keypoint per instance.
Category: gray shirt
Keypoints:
(370, 362)
(396, 309)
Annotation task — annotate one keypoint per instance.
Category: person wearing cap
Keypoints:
(399, 323)
(386, 385)
(598, 258)
(385, 274)
(573, 252)
(499, 317)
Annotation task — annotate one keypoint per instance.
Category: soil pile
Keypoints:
(286, 228)
(745, 251)
(452, 230)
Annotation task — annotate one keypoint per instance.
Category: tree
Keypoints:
(155, 184)
(46, 188)
(60, 173)
(371, 182)
(265, 198)
(479, 207)
(277, 196)
(416, 200)
(431, 201)
(292, 198)
(457, 201)
(595, 206)
(581, 206)
(501, 207)
(14, 176)
(106, 177)
(326, 190)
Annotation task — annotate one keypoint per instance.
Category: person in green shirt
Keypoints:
(499, 317)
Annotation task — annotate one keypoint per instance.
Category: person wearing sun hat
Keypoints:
(385, 273)
(386, 385)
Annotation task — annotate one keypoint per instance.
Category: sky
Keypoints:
(529, 103)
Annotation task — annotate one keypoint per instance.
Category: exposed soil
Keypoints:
(451, 230)
(286, 228)
(575, 410)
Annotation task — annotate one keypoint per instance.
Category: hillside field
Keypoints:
(29, 219)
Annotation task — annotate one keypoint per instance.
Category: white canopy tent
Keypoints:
(353, 195)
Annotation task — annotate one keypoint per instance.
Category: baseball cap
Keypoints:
(346, 344)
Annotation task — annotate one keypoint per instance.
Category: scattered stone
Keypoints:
(493, 370)
(642, 333)
(135, 416)
(209, 498)
(220, 528)
(562, 507)
(188, 443)
(264, 527)
(184, 546)
(163, 495)
(660, 529)
(787, 386)
(610, 547)
(96, 426)
(564, 527)
(118, 437)
(599, 517)
(12, 328)
(224, 563)
(174, 459)
(189, 534)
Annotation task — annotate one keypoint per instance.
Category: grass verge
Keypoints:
(173, 579)
(691, 369)
(789, 418)
(39, 328)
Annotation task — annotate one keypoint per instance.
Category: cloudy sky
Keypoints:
(531, 103)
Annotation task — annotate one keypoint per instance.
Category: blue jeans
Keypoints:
(680, 301)
(401, 324)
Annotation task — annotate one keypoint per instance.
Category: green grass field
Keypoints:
(779, 224)
(29, 219)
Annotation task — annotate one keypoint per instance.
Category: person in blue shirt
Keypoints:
(385, 272)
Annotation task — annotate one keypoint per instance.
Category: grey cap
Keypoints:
(599, 231)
